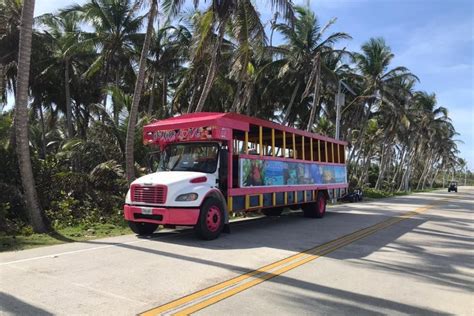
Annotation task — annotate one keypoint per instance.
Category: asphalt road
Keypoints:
(406, 255)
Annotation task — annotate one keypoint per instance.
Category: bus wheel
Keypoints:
(141, 228)
(211, 219)
(321, 205)
(273, 211)
(315, 210)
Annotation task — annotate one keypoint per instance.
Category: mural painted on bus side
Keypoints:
(255, 172)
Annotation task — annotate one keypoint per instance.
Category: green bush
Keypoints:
(376, 194)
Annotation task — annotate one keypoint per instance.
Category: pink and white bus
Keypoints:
(214, 164)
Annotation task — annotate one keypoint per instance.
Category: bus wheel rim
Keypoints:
(213, 219)
(321, 207)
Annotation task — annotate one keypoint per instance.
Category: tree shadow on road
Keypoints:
(12, 305)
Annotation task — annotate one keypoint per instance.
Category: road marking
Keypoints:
(213, 294)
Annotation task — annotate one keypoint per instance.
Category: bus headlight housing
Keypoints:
(187, 197)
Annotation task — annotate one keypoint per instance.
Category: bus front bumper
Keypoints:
(164, 216)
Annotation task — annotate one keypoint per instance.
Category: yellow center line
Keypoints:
(312, 256)
(181, 301)
(263, 273)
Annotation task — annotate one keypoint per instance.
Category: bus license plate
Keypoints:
(147, 210)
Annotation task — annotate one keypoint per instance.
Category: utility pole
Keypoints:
(340, 100)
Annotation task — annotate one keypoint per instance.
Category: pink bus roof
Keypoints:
(228, 120)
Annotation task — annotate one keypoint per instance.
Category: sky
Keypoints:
(433, 38)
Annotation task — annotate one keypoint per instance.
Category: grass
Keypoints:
(60, 236)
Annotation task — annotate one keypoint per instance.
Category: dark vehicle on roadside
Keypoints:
(453, 186)
(355, 196)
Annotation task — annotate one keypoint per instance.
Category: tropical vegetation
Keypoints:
(101, 70)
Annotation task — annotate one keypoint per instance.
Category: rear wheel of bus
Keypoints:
(140, 228)
(211, 219)
(315, 210)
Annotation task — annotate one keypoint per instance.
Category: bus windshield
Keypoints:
(200, 157)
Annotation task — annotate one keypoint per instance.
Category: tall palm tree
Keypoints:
(380, 84)
(63, 32)
(116, 33)
(132, 119)
(299, 62)
(21, 118)
(168, 53)
(221, 13)
(249, 34)
(10, 18)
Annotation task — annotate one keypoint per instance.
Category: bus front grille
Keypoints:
(155, 194)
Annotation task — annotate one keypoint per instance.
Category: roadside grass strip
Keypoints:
(201, 299)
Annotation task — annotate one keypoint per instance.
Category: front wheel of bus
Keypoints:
(140, 228)
(211, 219)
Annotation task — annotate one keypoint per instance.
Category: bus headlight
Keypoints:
(187, 197)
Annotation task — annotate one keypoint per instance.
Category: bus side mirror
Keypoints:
(152, 159)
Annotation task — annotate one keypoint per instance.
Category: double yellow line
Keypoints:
(211, 295)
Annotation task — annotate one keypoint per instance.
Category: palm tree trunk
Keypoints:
(196, 89)
(237, 98)
(211, 74)
(290, 105)
(248, 91)
(115, 107)
(383, 161)
(430, 168)
(425, 167)
(237, 103)
(43, 137)
(152, 93)
(365, 170)
(400, 165)
(164, 96)
(70, 130)
(434, 177)
(106, 78)
(2, 85)
(67, 87)
(21, 119)
(316, 94)
(132, 121)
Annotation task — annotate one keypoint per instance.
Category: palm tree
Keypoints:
(21, 118)
(132, 119)
(10, 18)
(116, 33)
(220, 13)
(63, 32)
(300, 64)
(380, 84)
(168, 53)
(249, 34)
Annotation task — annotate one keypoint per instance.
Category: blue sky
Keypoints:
(433, 38)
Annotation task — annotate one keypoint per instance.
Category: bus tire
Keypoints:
(315, 210)
(211, 219)
(141, 228)
(272, 211)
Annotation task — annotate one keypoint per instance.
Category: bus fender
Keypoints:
(326, 194)
(218, 195)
